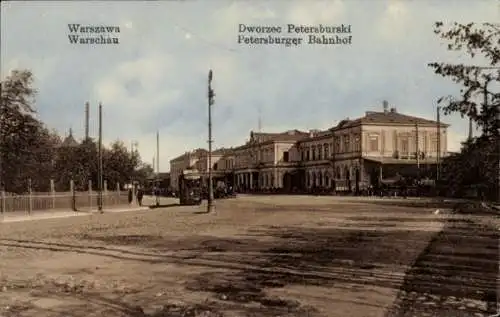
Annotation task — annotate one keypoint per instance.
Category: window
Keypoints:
(347, 147)
(373, 143)
(308, 154)
(434, 145)
(303, 155)
(313, 150)
(405, 147)
(320, 150)
(347, 173)
(327, 152)
(215, 166)
(357, 143)
(337, 144)
(285, 156)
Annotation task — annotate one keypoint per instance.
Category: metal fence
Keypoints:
(64, 201)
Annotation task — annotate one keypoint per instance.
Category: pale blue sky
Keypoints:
(155, 79)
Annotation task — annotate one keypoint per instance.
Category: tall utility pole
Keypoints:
(2, 189)
(133, 148)
(87, 120)
(157, 167)
(438, 149)
(470, 129)
(417, 149)
(260, 120)
(334, 171)
(100, 160)
(211, 95)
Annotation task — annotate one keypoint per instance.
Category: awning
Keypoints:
(402, 161)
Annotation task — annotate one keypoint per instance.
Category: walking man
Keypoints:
(130, 196)
(140, 195)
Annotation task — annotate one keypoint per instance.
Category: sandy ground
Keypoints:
(256, 256)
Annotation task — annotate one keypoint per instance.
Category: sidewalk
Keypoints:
(52, 214)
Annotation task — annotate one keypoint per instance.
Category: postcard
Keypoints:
(249, 158)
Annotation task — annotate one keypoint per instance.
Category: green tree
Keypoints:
(118, 164)
(122, 166)
(143, 172)
(28, 150)
(478, 161)
(26, 146)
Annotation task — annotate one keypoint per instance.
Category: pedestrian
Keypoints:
(140, 195)
(130, 196)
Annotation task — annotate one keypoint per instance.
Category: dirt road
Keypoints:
(256, 256)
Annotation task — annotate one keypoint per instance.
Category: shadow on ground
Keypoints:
(461, 207)
(456, 275)
(243, 271)
(163, 206)
(460, 262)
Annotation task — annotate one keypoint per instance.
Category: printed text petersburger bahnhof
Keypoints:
(295, 34)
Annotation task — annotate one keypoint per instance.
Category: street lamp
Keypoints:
(211, 95)
(100, 174)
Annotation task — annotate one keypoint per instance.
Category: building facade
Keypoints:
(185, 161)
(262, 162)
(353, 154)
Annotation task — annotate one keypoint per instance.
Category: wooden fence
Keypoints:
(70, 200)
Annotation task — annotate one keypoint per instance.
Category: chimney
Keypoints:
(386, 106)
(393, 110)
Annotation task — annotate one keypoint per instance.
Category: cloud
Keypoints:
(395, 22)
(322, 11)
(156, 78)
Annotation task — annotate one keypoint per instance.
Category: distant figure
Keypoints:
(130, 196)
(140, 195)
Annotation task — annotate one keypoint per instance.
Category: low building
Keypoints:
(221, 165)
(378, 145)
(265, 158)
(353, 154)
(185, 161)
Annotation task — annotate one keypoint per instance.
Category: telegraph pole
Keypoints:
(438, 149)
(2, 188)
(211, 95)
(334, 171)
(157, 168)
(133, 149)
(417, 150)
(100, 161)
(87, 120)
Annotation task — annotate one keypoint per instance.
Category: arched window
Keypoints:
(319, 176)
(326, 150)
(347, 174)
(327, 180)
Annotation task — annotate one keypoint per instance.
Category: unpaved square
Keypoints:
(256, 256)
